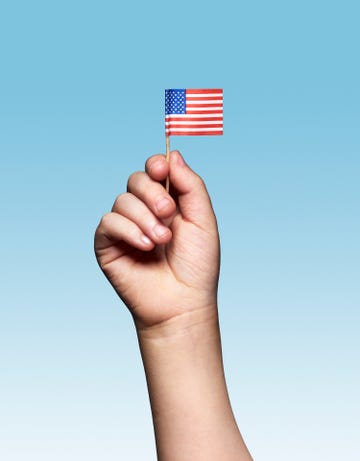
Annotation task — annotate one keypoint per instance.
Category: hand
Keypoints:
(161, 253)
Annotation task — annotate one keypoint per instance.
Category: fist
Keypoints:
(159, 251)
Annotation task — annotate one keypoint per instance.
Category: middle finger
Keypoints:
(152, 193)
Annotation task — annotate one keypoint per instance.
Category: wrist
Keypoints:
(184, 353)
(181, 326)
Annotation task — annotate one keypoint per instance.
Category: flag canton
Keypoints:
(175, 102)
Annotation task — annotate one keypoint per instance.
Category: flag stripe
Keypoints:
(195, 105)
(205, 111)
(194, 123)
(204, 98)
(204, 101)
(194, 116)
(204, 91)
(195, 133)
(195, 129)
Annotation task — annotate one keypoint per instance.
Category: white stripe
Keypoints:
(192, 115)
(193, 122)
(203, 95)
(217, 108)
(194, 129)
(199, 101)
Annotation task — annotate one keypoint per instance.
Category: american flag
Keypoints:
(194, 112)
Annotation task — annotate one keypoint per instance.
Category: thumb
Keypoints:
(193, 198)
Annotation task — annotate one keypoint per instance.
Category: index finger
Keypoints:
(157, 167)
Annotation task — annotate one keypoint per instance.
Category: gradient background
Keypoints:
(81, 107)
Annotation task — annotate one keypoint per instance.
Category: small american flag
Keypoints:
(194, 112)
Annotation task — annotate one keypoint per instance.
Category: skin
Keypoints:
(161, 254)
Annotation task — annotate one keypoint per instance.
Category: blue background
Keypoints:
(81, 107)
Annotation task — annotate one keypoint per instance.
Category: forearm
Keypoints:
(192, 415)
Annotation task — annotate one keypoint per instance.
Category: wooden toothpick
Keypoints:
(167, 187)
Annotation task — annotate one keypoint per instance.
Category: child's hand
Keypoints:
(161, 253)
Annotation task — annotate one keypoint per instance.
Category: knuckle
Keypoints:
(198, 181)
(133, 179)
(105, 221)
(120, 200)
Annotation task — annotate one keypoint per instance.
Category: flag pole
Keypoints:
(167, 187)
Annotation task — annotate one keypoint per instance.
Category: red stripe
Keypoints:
(204, 98)
(219, 112)
(195, 119)
(176, 125)
(204, 91)
(203, 105)
(193, 133)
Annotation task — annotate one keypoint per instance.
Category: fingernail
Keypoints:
(160, 231)
(146, 240)
(162, 203)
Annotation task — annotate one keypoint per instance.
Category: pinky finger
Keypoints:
(115, 229)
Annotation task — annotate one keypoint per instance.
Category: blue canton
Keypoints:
(175, 102)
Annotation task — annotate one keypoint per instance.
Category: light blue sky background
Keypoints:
(81, 107)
